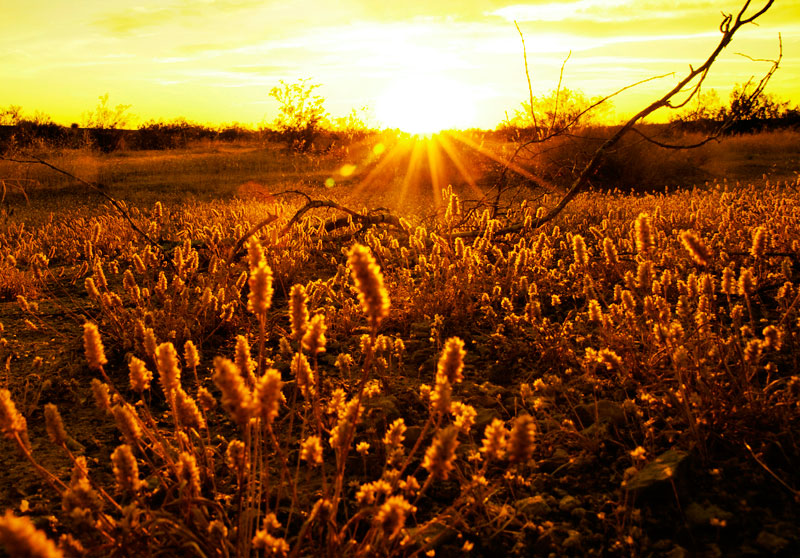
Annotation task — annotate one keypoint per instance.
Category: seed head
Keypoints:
(11, 421)
(236, 457)
(54, 425)
(610, 251)
(101, 397)
(190, 354)
(391, 516)
(126, 470)
(441, 453)
(236, 398)
(169, 372)
(299, 311)
(268, 395)
(644, 233)
(494, 440)
(140, 377)
(189, 474)
(187, 411)
(520, 441)
(255, 253)
(369, 282)
(304, 375)
(695, 247)
(314, 339)
(127, 423)
(20, 538)
(311, 450)
(759, 242)
(579, 251)
(746, 281)
(260, 282)
(93, 346)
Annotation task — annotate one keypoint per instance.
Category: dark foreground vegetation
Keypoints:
(621, 382)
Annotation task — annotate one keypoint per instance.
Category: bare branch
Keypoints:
(729, 28)
(527, 75)
(100, 189)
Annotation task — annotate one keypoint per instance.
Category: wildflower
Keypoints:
(236, 398)
(773, 338)
(190, 354)
(752, 352)
(336, 403)
(759, 245)
(391, 516)
(451, 362)
(579, 252)
(369, 493)
(644, 233)
(276, 547)
(268, 395)
(303, 374)
(207, 401)
(126, 470)
(362, 448)
(369, 282)
(746, 281)
(728, 281)
(189, 474)
(255, 253)
(441, 453)
(260, 282)
(244, 360)
(314, 339)
(169, 373)
(311, 450)
(610, 251)
(20, 538)
(187, 411)
(93, 346)
(494, 440)
(54, 425)
(343, 362)
(393, 439)
(695, 247)
(236, 457)
(101, 396)
(11, 420)
(520, 440)
(595, 312)
(140, 377)
(127, 423)
(298, 311)
(150, 343)
(464, 416)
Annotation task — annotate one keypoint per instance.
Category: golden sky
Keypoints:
(214, 61)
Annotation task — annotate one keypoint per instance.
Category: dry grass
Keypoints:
(396, 394)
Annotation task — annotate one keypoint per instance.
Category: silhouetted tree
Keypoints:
(301, 113)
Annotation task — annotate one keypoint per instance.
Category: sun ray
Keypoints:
(412, 171)
(394, 153)
(451, 151)
(541, 181)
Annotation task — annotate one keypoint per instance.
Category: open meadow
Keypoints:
(364, 352)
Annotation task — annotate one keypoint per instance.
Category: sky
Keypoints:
(454, 62)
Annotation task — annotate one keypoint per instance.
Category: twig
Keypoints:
(100, 189)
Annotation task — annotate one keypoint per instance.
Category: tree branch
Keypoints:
(100, 189)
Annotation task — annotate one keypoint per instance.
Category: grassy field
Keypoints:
(622, 381)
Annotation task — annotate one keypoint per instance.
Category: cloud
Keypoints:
(139, 17)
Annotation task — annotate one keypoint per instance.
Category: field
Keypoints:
(622, 381)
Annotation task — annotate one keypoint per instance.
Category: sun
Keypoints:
(425, 104)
